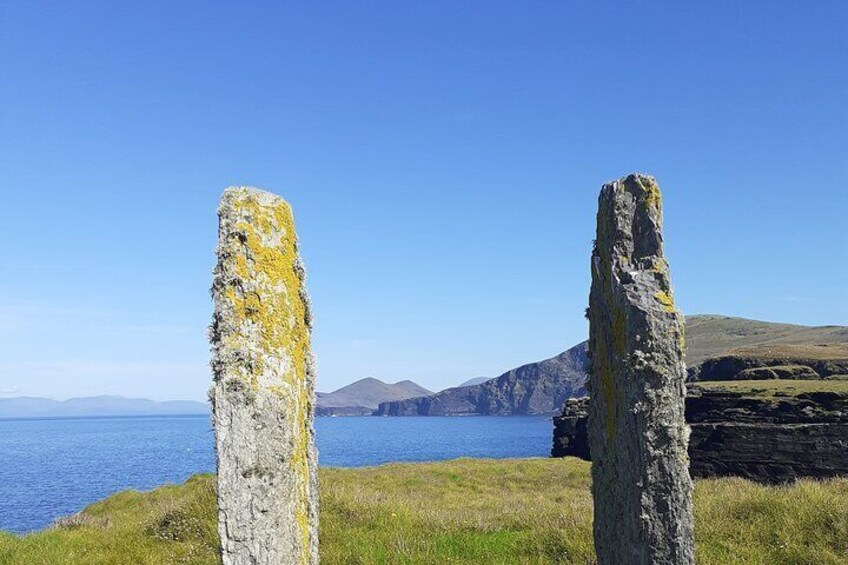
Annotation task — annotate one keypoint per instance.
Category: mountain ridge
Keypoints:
(93, 406)
(472, 382)
(362, 397)
(537, 388)
(533, 388)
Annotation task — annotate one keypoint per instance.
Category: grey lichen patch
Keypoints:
(263, 392)
(637, 434)
(259, 472)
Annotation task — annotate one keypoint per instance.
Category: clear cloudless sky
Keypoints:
(443, 160)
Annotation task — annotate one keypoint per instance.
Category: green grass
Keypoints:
(711, 336)
(775, 387)
(462, 511)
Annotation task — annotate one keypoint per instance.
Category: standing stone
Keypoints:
(637, 433)
(263, 392)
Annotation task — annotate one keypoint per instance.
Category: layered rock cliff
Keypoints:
(770, 361)
(769, 431)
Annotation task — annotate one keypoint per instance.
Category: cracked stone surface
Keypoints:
(637, 434)
(263, 390)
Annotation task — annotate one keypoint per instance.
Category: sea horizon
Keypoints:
(59, 465)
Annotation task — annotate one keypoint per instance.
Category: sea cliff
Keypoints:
(768, 431)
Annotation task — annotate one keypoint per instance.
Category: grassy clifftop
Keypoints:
(774, 387)
(710, 336)
(462, 511)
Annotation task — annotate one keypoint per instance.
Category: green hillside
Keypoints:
(709, 336)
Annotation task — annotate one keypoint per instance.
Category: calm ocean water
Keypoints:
(52, 468)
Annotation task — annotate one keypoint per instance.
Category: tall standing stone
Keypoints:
(637, 433)
(263, 390)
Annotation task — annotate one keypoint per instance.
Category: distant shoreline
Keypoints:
(157, 416)
(105, 417)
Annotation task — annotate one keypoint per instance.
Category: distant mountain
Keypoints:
(543, 387)
(31, 407)
(363, 396)
(716, 347)
(475, 381)
(535, 388)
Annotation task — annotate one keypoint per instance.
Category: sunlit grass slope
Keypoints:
(774, 387)
(463, 511)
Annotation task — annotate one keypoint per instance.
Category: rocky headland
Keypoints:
(770, 431)
(543, 388)
(532, 389)
(779, 361)
(765, 401)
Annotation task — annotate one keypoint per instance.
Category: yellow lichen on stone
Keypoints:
(603, 358)
(269, 303)
(619, 336)
(666, 300)
(652, 195)
(660, 266)
(266, 253)
(609, 388)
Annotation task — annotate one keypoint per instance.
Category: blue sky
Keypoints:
(443, 160)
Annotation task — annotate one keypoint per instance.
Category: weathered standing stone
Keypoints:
(264, 386)
(637, 434)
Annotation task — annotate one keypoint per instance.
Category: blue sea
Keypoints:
(55, 467)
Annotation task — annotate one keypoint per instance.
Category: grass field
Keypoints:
(774, 387)
(462, 511)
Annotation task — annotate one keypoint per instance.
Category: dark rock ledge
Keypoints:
(775, 433)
